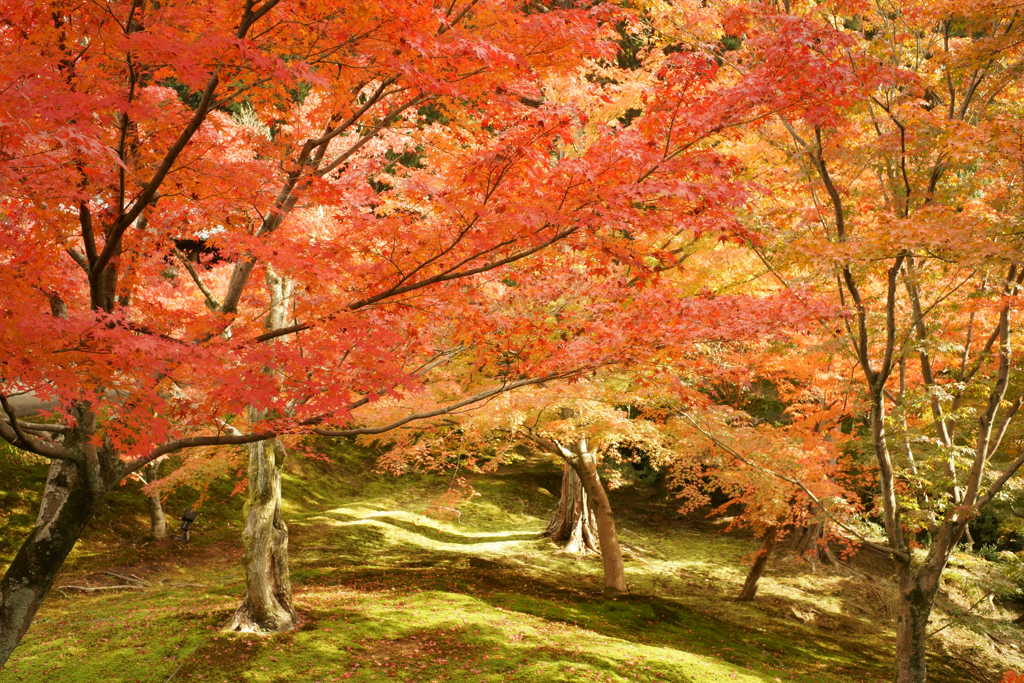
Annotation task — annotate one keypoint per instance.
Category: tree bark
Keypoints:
(585, 464)
(66, 507)
(157, 518)
(573, 524)
(760, 562)
(812, 543)
(267, 607)
(913, 607)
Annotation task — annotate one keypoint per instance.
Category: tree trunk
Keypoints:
(812, 544)
(913, 607)
(157, 518)
(267, 607)
(65, 509)
(585, 465)
(573, 524)
(760, 562)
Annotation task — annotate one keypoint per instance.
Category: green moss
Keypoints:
(386, 592)
(21, 480)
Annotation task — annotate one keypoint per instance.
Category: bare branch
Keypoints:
(211, 303)
(12, 432)
(445, 410)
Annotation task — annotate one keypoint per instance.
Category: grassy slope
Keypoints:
(387, 593)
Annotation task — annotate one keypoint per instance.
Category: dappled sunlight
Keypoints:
(361, 512)
(400, 536)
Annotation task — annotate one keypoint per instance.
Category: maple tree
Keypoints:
(611, 412)
(907, 192)
(776, 478)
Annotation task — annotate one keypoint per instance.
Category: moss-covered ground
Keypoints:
(388, 592)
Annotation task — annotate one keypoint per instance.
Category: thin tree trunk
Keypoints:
(760, 562)
(585, 465)
(268, 591)
(65, 509)
(573, 524)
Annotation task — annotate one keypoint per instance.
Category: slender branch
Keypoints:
(445, 410)
(998, 484)
(211, 303)
(394, 291)
(78, 258)
(12, 432)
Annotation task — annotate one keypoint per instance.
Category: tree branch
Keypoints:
(194, 442)
(12, 432)
(211, 303)
(476, 398)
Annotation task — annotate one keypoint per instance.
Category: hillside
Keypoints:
(386, 592)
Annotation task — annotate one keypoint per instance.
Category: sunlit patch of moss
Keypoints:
(21, 480)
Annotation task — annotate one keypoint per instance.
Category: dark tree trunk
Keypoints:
(760, 562)
(573, 524)
(585, 465)
(812, 543)
(267, 607)
(65, 509)
(913, 607)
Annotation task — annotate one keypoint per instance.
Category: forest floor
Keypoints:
(386, 592)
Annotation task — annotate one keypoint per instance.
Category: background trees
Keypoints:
(920, 246)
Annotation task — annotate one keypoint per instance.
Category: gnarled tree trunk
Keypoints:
(66, 507)
(157, 518)
(760, 562)
(267, 607)
(573, 524)
(268, 589)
